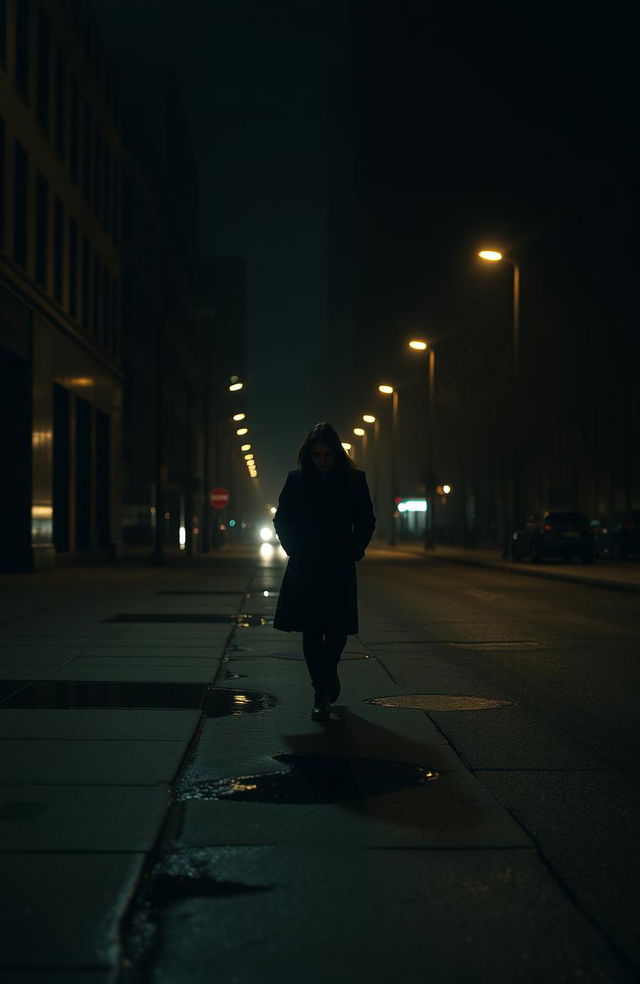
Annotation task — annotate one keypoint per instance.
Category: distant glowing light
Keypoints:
(232, 523)
(385, 388)
(266, 534)
(368, 418)
(239, 416)
(412, 505)
(273, 510)
(182, 537)
(359, 431)
(245, 447)
(346, 446)
(265, 594)
(418, 345)
(490, 254)
(235, 387)
(248, 457)
(446, 489)
(266, 551)
(242, 430)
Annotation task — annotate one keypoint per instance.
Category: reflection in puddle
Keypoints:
(312, 779)
(73, 694)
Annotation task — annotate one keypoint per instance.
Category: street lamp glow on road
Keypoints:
(419, 345)
(239, 416)
(242, 430)
(492, 255)
(368, 418)
(384, 388)
(359, 431)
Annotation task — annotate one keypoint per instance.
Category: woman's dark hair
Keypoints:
(328, 435)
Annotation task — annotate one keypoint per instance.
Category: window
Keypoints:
(3, 33)
(20, 200)
(58, 250)
(86, 153)
(97, 171)
(86, 283)
(43, 68)
(60, 103)
(73, 268)
(2, 179)
(42, 206)
(74, 130)
(106, 305)
(97, 283)
(22, 48)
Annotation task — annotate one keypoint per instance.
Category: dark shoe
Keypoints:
(320, 710)
(333, 688)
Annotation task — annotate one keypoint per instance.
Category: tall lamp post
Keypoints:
(391, 391)
(370, 418)
(361, 432)
(495, 256)
(419, 345)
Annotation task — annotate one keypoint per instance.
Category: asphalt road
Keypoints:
(563, 757)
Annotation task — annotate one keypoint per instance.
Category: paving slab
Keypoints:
(125, 763)
(177, 673)
(143, 724)
(77, 818)
(64, 909)
(366, 916)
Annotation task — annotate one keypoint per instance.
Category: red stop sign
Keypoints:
(218, 498)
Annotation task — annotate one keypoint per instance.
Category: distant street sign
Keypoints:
(218, 498)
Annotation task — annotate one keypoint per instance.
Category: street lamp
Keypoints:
(393, 393)
(369, 418)
(361, 432)
(495, 256)
(419, 345)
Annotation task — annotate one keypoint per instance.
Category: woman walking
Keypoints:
(324, 522)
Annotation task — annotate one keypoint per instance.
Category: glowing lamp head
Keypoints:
(346, 446)
(384, 388)
(368, 418)
(235, 387)
(245, 447)
(359, 431)
(446, 489)
(239, 416)
(418, 345)
(492, 255)
(242, 430)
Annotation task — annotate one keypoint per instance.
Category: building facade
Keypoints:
(60, 286)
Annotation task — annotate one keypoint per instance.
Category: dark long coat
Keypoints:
(324, 522)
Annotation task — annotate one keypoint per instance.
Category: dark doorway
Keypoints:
(15, 454)
(61, 465)
(103, 479)
(84, 473)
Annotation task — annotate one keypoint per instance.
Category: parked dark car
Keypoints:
(557, 533)
(625, 531)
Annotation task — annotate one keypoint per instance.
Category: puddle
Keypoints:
(312, 779)
(166, 617)
(214, 594)
(345, 656)
(71, 694)
(439, 702)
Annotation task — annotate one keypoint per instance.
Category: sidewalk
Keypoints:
(286, 849)
(619, 575)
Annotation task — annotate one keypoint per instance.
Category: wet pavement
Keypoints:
(162, 782)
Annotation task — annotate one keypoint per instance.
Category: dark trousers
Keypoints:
(322, 650)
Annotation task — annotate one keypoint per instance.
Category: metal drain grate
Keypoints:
(439, 702)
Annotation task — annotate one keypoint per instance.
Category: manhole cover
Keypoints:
(312, 779)
(439, 702)
(67, 694)
(496, 645)
(345, 656)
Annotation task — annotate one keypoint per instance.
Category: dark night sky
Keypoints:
(509, 122)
